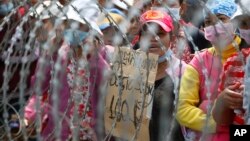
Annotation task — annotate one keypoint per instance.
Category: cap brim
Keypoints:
(95, 27)
(116, 11)
(104, 26)
(120, 4)
(73, 15)
(164, 26)
(53, 9)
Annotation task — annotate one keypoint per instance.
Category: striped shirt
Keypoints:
(233, 72)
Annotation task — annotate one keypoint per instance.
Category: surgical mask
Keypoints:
(74, 37)
(6, 8)
(166, 56)
(220, 35)
(245, 34)
(175, 12)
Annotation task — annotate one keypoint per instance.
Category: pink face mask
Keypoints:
(245, 34)
(220, 35)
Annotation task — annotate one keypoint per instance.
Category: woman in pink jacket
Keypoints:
(70, 86)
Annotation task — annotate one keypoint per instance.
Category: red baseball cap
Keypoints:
(159, 17)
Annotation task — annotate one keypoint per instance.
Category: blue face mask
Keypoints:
(74, 37)
(6, 8)
(166, 56)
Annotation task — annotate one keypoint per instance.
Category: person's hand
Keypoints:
(232, 96)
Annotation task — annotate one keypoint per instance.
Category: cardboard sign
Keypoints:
(132, 82)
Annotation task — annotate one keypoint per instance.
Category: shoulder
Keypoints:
(236, 58)
(202, 55)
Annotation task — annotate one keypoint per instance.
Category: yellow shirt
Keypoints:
(188, 112)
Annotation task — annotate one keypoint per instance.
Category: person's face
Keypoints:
(102, 2)
(212, 19)
(81, 28)
(189, 12)
(186, 12)
(134, 26)
(42, 32)
(109, 34)
(219, 30)
(88, 42)
(155, 45)
(245, 23)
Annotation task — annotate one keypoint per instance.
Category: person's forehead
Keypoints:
(74, 24)
(151, 26)
(244, 22)
(109, 29)
(47, 21)
(211, 16)
(245, 19)
(222, 16)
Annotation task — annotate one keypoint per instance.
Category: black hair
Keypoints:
(241, 20)
(236, 1)
(194, 4)
(180, 2)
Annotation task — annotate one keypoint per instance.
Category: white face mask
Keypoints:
(245, 34)
(225, 35)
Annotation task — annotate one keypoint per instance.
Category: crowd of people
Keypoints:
(56, 58)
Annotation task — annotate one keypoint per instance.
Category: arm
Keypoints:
(188, 114)
(228, 96)
(30, 109)
(220, 111)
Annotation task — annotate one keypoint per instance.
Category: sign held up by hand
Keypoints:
(129, 97)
